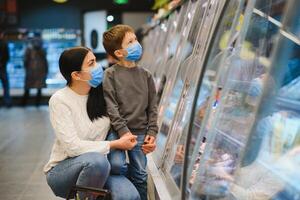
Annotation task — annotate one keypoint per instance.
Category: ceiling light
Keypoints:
(60, 1)
(121, 2)
(110, 18)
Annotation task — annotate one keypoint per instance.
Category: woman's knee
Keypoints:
(121, 188)
(87, 166)
(97, 163)
(59, 190)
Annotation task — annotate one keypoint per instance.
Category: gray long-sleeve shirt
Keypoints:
(130, 96)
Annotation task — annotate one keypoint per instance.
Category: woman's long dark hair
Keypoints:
(96, 106)
(71, 60)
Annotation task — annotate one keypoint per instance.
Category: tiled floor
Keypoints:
(26, 139)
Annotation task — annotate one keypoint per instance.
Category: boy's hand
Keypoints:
(148, 148)
(149, 139)
(149, 144)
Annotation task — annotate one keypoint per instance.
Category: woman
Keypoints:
(36, 67)
(78, 116)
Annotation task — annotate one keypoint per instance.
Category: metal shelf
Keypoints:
(230, 138)
(283, 32)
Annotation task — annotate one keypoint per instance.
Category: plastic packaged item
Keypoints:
(291, 90)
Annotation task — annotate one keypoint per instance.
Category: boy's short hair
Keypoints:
(113, 38)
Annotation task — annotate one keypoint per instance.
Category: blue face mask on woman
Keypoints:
(96, 76)
(134, 52)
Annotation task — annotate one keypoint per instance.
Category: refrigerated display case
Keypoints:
(168, 49)
(162, 43)
(184, 90)
(55, 42)
(177, 96)
(15, 67)
(246, 114)
(229, 115)
(276, 131)
(183, 50)
(205, 67)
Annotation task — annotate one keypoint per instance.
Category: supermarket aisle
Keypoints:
(25, 143)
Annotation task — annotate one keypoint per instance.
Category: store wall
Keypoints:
(94, 26)
(50, 16)
(41, 14)
(136, 19)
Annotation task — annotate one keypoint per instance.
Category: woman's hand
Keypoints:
(126, 142)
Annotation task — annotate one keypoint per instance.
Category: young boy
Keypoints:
(130, 95)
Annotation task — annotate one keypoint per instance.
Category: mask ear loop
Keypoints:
(79, 78)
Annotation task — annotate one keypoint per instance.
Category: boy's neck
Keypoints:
(128, 64)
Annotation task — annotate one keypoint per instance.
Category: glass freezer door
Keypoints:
(272, 156)
(188, 77)
(228, 127)
(175, 151)
(167, 50)
(169, 99)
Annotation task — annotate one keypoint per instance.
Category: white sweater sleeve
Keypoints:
(61, 120)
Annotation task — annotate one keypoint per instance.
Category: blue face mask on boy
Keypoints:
(134, 52)
(96, 76)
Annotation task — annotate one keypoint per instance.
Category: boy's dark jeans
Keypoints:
(135, 170)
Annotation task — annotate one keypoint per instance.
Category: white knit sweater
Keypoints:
(74, 131)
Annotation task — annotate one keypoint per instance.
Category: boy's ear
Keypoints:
(120, 53)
